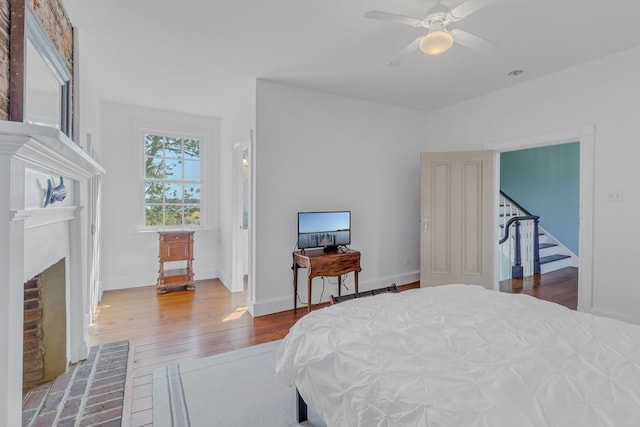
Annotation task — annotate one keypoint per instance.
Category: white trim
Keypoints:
(587, 173)
(48, 149)
(251, 286)
(552, 138)
(38, 217)
(276, 305)
(585, 135)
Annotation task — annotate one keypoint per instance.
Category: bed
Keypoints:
(461, 355)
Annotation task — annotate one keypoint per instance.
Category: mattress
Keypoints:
(461, 355)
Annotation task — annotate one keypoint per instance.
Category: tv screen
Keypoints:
(324, 229)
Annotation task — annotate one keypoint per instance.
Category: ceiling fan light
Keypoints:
(436, 42)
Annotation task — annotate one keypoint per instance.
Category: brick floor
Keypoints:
(89, 394)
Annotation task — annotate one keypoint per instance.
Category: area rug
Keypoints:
(238, 389)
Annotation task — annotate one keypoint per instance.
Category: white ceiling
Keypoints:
(172, 53)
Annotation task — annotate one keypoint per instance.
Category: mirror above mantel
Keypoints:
(40, 82)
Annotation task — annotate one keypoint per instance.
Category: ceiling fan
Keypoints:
(438, 39)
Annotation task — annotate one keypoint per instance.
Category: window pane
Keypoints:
(153, 145)
(173, 147)
(191, 170)
(173, 215)
(153, 215)
(153, 192)
(191, 193)
(154, 168)
(173, 192)
(172, 188)
(192, 215)
(191, 148)
(173, 169)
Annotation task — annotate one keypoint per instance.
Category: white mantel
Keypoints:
(33, 237)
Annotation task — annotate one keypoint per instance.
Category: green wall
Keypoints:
(546, 182)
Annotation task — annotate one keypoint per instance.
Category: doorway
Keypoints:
(585, 136)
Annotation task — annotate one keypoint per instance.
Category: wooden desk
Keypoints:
(321, 263)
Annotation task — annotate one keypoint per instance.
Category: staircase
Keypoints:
(553, 255)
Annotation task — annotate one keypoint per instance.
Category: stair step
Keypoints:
(552, 258)
(546, 245)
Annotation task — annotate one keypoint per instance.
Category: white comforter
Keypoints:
(460, 355)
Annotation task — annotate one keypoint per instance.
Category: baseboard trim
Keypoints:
(276, 305)
(139, 281)
(611, 314)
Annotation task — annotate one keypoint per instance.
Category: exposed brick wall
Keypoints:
(58, 26)
(56, 23)
(33, 346)
(4, 59)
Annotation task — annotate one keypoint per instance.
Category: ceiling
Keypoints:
(182, 54)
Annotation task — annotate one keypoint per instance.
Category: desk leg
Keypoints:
(295, 286)
(355, 273)
(309, 294)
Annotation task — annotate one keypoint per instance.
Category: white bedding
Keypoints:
(460, 355)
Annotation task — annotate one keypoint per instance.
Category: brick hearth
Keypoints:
(91, 393)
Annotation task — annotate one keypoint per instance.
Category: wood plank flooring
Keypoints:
(560, 286)
(181, 325)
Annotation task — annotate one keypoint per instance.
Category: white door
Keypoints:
(457, 241)
(94, 205)
(240, 245)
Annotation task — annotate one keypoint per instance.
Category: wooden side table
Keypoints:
(175, 246)
(321, 263)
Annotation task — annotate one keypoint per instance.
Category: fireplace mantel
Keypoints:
(48, 148)
(32, 235)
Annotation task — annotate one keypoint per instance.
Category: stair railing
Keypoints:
(519, 245)
(523, 249)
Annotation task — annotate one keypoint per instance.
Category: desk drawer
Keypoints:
(169, 237)
(335, 265)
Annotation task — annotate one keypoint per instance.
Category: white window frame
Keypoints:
(209, 164)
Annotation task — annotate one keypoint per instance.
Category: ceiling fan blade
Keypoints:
(392, 17)
(472, 41)
(407, 51)
(467, 8)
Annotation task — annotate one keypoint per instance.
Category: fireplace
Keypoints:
(45, 333)
(33, 238)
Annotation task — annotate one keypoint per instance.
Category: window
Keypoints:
(172, 181)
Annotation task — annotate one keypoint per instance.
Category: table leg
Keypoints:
(295, 286)
(355, 273)
(309, 294)
(339, 285)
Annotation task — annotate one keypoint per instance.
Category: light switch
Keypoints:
(614, 196)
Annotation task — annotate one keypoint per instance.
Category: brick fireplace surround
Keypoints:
(33, 237)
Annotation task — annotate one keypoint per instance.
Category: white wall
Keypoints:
(129, 255)
(316, 151)
(605, 93)
(238, 118)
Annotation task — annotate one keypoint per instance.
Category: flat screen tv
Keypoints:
(327, 230)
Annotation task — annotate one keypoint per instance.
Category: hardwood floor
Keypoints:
(560, 286)
(180, 325)
(164, 329)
